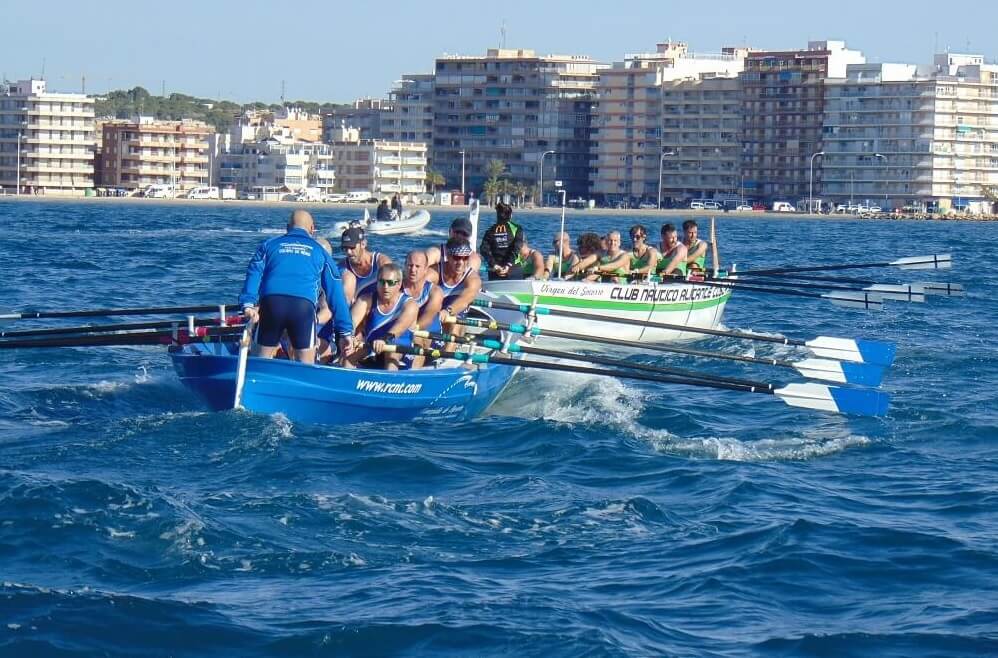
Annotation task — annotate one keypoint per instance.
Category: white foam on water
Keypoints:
(120, 534)
(430, 231)
(282, 426)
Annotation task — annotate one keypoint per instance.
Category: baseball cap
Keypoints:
(352, 236)
(462, 224)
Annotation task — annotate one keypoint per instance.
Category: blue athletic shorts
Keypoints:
(280, 313)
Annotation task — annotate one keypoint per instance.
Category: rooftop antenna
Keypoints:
(83, 83)
(502, 35)
(43, 68)
(935, 46)
(162, 88)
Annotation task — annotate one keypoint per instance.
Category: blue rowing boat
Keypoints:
(333, 395)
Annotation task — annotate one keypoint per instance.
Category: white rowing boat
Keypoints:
(677, 303)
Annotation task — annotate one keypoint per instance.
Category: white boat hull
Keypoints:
(410, 223)
(680, 303)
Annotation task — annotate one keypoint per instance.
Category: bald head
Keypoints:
(416, 265)
(301, 219)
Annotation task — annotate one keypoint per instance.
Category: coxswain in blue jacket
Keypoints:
(284, 278)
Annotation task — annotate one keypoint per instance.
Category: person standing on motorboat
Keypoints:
(501, 244)
(458, 282)
(560, 263)
(360, 267)
(644, 257)
(673, 260)
(284, 278)
(383, 212)
(383, 316)
(459, 228)
(396, 207)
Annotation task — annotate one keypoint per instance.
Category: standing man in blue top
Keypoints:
(284, 277)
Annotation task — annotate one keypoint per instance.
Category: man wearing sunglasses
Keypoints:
(560, 263)
(458, 282)
(285, 276)
(383, 317)
(459, 228)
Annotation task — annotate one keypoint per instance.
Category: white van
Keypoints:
(203, 193)
(358, 196)
(783, 206)
(158, 191)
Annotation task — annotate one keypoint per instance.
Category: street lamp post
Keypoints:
(17, 184)
(810, 186)
(883, 158)
(462, 173)
(661, 165)
(541, 186)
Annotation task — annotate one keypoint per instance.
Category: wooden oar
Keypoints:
(126, 338)
(117, 326)
(841, 372)
(828, 347)
(108, 312)
(861, 402)
(932, 262)
(861, 299)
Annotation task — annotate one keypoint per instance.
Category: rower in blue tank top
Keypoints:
(360, 268)
(459, 283)
(384, 317)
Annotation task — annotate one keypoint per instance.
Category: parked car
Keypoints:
(712, 205)
(783, 206)
(696, 205)
(336, 197)
(248, 196)
(742, 207)
(158, 191)
(203, 193)
(642, 206)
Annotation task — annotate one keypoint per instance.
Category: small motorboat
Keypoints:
(410, 222)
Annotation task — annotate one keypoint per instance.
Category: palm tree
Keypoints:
(434, 179)
(493, 188)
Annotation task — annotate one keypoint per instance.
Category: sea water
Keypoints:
(580, 517)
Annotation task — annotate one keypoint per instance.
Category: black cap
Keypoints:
(352, 237)
(462, 224)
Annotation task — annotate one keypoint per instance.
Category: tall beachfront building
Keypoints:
(145, 151)
(898, 135)
(363, 114)
(56, 136)
(517, 107)
(784, 104)
(653, 100)
(379, 167)
(409, 116)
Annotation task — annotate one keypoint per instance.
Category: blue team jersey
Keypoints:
(294, 264)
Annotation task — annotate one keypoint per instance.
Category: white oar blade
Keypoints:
(945, 289)
(898, 292)
(848, 349)
(853, 401)
(934, 262)
(863, 300)
(841, 372)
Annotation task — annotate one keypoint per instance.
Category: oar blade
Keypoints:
(852, 401)
(944, 289)
(898, 292)
(841, 372)
(857, 350)
(933, 262)
(867, 301)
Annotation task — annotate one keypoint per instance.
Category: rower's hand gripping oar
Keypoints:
(842, 349)
(859, 402)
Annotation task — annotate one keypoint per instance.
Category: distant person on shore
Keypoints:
(383, 213)
(284, 278)
(501, 245)
(561, 261)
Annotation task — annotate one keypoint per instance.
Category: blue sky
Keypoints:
(338, 51)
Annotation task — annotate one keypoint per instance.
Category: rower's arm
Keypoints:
(583, 264)
(407, 318)
(432, 308)
(359, 311)
(254, 276)
(652, 263)
(472, 286)
(432, 256)
(677, 259)
(621, 262)
(539, 268)
(692, 256)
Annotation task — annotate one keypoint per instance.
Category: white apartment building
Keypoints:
(46, 140)
(899, 135)
(381, 167)
(629, 120)
(278, 165)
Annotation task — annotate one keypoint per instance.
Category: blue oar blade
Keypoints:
(852, 401)
(862, 374)
(878, 352)
(840, 372)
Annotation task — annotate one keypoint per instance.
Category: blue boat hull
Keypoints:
(334, 395)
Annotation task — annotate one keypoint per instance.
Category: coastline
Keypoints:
(636, 212)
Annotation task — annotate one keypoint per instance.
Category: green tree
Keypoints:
(434, 179)
(493, 184)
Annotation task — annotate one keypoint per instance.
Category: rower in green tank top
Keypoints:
(696, 249)
(673, 258)
(614, 261)
(531, 262)
(644, 257)
(560, 263)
